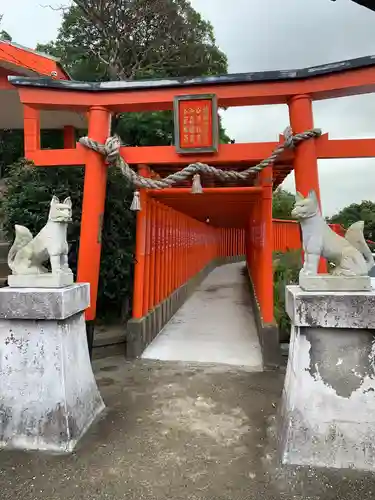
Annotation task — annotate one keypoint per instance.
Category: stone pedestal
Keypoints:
(331, 283)
(48, 393)
(44, 280)
(328, 405)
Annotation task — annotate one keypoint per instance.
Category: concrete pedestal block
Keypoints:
(331, 283)
(48, 393)
(328, 405)
(44, 280)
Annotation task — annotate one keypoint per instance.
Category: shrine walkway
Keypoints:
(216, 325)
(178, 431)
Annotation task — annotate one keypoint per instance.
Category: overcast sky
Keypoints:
(261, 35)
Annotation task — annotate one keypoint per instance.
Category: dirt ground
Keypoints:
(178, 431)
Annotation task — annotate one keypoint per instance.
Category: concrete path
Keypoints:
(216, 325)
(179, 431)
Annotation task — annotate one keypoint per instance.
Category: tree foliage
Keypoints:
(29, 192)
(11, 148)
(357, 211)
(282, 204)
(129, 39)
(4, 35)
(100, 40)
(286, 267)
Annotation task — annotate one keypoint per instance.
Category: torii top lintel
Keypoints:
(344, 78)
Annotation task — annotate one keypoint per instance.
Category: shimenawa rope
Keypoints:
(111, 151)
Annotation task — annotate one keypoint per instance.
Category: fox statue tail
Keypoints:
(354, 235)
(23, 237)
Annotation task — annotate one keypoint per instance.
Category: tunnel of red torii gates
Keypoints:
(180, 235)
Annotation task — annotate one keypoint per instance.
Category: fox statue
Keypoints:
(350, 255)
(27, 254)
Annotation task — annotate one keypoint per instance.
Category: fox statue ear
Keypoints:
(68, 202)
(54, 200)
(299, 196)
(312, 196)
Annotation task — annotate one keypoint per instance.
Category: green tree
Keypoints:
(286, 267)
(4, 35)
(282, 204)
(357, 211)
(82, 48)
(131, 39)
(29, 192)
(146, 39)
(11, 148)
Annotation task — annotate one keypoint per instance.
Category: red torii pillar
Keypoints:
(266, 258)
(305, 156)
(95, 183)
(69, 137)
(90, 243)
(140, 248)
(31, 121)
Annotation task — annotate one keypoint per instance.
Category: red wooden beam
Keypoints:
(344, 83)
(58, 157)
(233, 199)
(228, 154)
(161, 193)
(246, 153)
(344, 148)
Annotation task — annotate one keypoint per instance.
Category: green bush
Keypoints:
(286, 267)
(29, 192)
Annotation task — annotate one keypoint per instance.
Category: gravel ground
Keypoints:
(178, 431)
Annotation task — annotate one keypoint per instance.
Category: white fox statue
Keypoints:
(350, 255)
(27, 254)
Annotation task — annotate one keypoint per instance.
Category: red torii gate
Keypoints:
(242, 213)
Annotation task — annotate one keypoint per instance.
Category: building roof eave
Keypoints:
(26, 59)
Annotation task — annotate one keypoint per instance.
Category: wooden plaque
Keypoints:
(196, 124)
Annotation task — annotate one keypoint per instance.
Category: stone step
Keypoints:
(108, 351)
(109, 340)
(109, 335)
